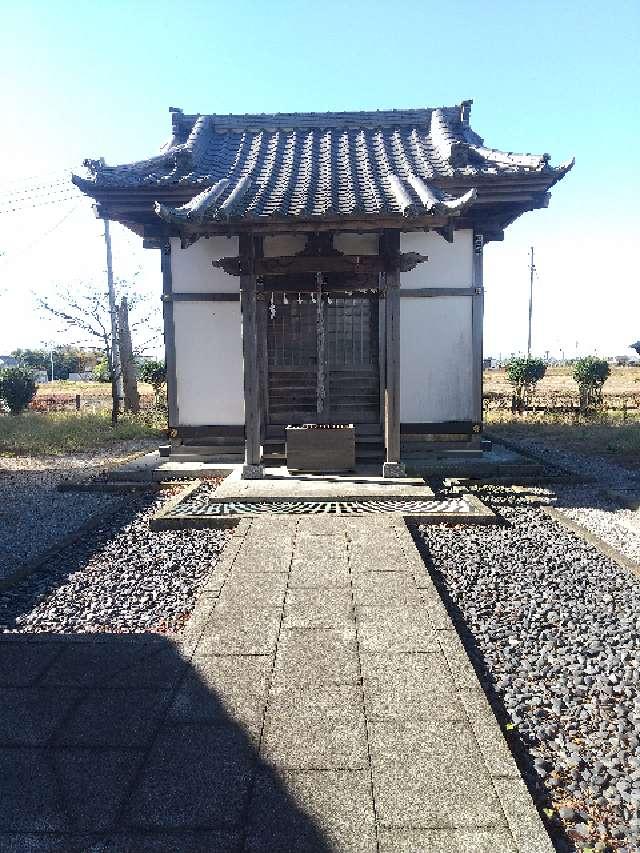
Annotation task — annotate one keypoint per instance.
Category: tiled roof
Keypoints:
(319, 164)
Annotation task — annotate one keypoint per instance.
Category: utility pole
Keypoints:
(532, 269)
(116, 367)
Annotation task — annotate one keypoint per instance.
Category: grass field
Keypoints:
(32, 434)
(606, 434)
(623, 380)
(64, 388)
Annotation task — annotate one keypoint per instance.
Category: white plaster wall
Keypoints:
(283, 244)
(209, 363)
(350, 243)
(449, 264)
(191, 267)
(436, 332)
(435, 359)
(356, 244)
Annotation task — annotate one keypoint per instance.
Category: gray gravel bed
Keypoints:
(120, 578)
(33, 515)
(554, 630)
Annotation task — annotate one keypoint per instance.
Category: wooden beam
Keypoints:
(169, 337)
(390, 249)
(426, 292)
(305, 264)
(263, 352)
(477, 313)
(252, 468)
(196, 296)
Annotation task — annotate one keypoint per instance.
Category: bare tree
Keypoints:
(85, 309)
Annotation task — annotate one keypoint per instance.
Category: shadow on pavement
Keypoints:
(120, 744)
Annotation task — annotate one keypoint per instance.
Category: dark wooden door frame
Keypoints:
(268, 417)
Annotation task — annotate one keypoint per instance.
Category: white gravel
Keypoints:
(617, 526)
(589, 505)
(605, 472)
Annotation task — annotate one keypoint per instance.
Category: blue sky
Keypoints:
(98, 79)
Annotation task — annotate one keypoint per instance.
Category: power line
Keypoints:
(42, 177)
(24, 187)
(52, 189)
(53, 200)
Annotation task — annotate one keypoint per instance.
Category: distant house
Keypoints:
(83, 376)
(7, 361)
(323, 268)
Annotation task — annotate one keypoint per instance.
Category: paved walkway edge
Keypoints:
(523, 818)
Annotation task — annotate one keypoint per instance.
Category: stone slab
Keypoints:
(312, 810)
(313, 656)
(115, 718)
(23, 664)
(320, 727)
(29, 793)
(224, 691)
(30, 716)
(395, 629)
(409, 686)
(318, 608)
(522, 818)
(385, 588)
(253, 632)
(446, 841)
(329, 576)
(89, 665)
(196, 776)
(430, 774)
(263, 591)
(94, 784)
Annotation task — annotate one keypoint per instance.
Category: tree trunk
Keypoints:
(115, 398)
(127, 362)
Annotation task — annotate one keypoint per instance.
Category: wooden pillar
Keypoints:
(391, 248)
(169, 338)
(252, 469)
(477, 313)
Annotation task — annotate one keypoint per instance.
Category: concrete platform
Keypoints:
(280, 484)
(154, 468)
(500, 461)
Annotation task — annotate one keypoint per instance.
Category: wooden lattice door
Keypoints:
(323, 359)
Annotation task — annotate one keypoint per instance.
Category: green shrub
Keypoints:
(523, 374)
(590, 373)
(17, 388)
(102, 371)
(155, 373)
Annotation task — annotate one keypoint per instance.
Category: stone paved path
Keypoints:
(320, 701)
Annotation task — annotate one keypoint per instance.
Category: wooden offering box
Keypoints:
(321, 448)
